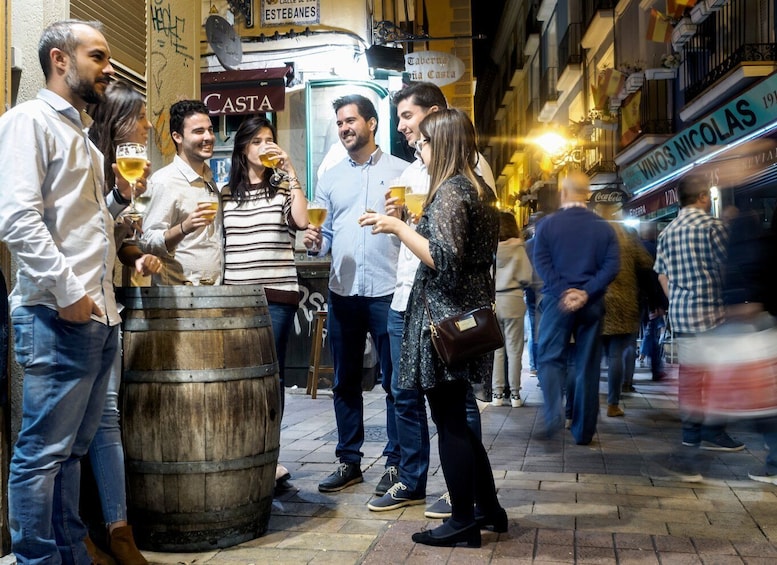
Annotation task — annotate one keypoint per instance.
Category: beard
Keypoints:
(83, 88)
(355, 142)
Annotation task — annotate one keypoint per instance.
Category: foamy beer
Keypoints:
(398, 191)
(211, 205)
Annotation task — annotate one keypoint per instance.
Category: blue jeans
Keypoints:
(651, 346)
(621, 356)
(412, 450)
(282, 318)
(106, 452)
(556, 328)
(348, 321)
(530, 296)
(410, 414)
(66, 368)
(768, 427)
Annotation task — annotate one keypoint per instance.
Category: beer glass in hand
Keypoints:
(316, 217)
(271, 161)
(131, 161)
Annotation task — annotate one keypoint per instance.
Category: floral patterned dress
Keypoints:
(462, 231)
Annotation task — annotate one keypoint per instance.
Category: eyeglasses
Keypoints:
(419, 144)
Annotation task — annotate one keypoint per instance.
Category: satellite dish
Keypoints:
(225, 42)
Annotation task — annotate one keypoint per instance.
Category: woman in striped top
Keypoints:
(260, 222)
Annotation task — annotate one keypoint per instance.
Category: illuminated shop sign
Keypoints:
(290, 12)
(744, 115)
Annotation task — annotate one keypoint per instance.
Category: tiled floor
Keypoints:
(566, 503)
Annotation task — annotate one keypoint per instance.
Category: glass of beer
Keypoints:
(415, 202)
(398, 191)
(131, 159)
(210, 204)
(316, 217)
(271, 162)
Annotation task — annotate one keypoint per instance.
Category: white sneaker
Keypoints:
(516, 401)
(498, 400)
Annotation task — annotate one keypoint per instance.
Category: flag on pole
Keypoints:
(659, 28)
(630, 120)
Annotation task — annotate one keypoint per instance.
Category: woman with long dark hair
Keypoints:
(455, 239)
(260, 222)
(119, 118)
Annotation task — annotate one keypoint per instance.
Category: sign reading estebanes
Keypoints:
(434, 66)
(290, 12)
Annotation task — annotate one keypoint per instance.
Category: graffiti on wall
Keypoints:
(169, 50)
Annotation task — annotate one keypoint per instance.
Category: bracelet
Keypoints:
(292, 179)
(118, 198)
(183, 232)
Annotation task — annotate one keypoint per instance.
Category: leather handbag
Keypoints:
(467, 336)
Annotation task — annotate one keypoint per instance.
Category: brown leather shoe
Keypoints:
(123, 547)
(613, 411)
(97, 555)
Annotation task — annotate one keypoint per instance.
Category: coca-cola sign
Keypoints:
(609, 195)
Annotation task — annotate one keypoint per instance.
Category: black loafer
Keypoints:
(448, 535)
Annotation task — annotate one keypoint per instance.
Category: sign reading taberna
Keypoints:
(434, 66)
(290, 12)
(744, 115)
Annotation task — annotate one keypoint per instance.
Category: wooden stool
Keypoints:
(314, 370)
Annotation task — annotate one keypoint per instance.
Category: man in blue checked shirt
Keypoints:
(690, 256)
(361, 279)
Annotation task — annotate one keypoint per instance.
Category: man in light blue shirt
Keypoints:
(361, 281)
(55, 220)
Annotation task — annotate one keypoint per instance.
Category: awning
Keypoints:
(245, 92)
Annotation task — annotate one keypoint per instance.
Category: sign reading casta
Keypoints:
(434, 66)
(290, 12)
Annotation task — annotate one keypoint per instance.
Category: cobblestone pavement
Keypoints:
(566, 503)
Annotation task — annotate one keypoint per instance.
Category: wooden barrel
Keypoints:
(200, 415)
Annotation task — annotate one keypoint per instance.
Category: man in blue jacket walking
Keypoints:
(576, 255)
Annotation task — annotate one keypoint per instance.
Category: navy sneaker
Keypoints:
(397, 496)
(347, 474)
(390, 478)
(722, 442)
(763, 476)
(441, 508)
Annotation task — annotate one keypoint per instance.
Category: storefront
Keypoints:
(734, 147)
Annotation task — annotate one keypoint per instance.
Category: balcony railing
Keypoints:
(548, 91)
(599, 156)
(570, 52)
(655, 109)
(724, 40)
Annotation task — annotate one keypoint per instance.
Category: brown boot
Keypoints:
(613, 411)
(97, 555)
(123, 547)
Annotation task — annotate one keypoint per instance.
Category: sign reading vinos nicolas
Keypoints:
(290, 12)
(434, 66)
(744, 115)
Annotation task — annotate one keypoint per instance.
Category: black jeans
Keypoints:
(464, 461)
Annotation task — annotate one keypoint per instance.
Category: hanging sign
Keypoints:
(290, 12)
(434, 66)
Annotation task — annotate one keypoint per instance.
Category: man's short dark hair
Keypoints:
(363, 104)
(60, 35)
(182, 110)
(423, 94)
(690, 188)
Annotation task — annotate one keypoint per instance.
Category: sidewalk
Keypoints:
(566, 503)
